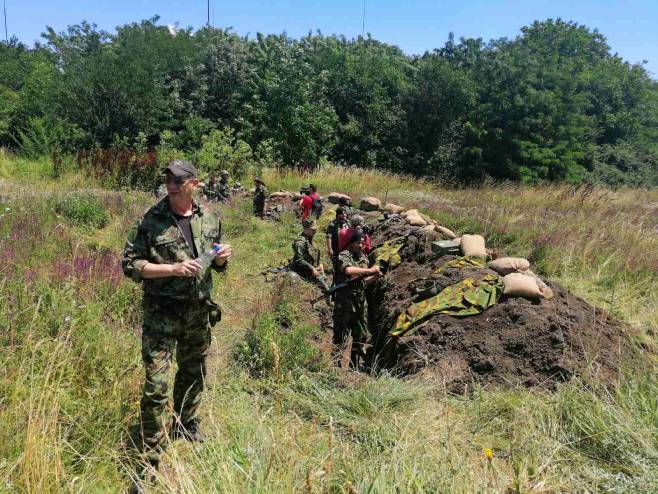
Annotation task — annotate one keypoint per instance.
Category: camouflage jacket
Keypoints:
(157, 239)
(305, 256)
(224, 191)
(211, 191)
(353, 297)
(260, 194)
(332, 231)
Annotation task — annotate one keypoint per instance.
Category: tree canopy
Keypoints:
(554, 103)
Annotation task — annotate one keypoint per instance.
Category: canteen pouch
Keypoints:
(214, 312)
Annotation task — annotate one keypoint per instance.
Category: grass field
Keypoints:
(70, 368)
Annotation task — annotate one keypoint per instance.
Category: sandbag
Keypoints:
(546, 291)
(335, 197)
(414, 219)
(446, 231)
(523, 285)
(507, 265)
(473, 245)
(370, 204)
(279, 194)
(389, 207)
(426, 218)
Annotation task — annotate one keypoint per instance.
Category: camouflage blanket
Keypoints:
(466, 298)
(388, 252)
(461, 263)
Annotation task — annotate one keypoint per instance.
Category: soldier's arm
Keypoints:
(135, 254)
(353, 271)
(330, 250)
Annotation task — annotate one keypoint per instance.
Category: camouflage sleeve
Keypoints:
(218, 240)
(298, 264)
(344, 262)
(135, 253)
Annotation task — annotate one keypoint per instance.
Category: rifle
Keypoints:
(282, 269)
(331, 291)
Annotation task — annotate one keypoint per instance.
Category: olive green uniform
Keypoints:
(211, 191)
(260, 195)
(223, 191)
(305, 257)
(350, 307)
(178, 315)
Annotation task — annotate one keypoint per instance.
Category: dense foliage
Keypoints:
(552, 104)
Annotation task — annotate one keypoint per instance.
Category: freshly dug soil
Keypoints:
(518, 341)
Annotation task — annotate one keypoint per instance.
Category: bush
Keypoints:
(223, 150)
(83, 210)
(122, 167)
(279, 343)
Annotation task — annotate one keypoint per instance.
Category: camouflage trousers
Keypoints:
(172, 327)
(350, 320)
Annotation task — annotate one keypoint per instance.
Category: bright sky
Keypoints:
(631, 26)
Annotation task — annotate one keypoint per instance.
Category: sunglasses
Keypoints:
(179, 182)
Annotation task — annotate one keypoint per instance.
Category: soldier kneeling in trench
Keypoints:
(350, 307)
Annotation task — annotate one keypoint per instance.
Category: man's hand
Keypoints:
(375, 270)
(185, 269)
(224, 254)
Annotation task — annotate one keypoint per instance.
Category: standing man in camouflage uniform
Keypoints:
(161, 253)
(260, 195)
(224, 189)
(333, 230)
(211, 189)
(350, 307)
(306, 258)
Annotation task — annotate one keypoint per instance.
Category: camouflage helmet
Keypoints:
(223, 173)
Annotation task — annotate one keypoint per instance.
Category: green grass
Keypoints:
(278, 416)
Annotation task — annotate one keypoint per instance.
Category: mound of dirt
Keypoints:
(518, 341)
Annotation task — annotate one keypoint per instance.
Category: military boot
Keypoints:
(190, 432)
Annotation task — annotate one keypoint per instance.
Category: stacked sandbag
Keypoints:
(281, 194)
(335, 197)
(446, 232)
(525, 285)
(413, 218)
(473, 245)
(370, 204)
(389, 207)
(507, 265)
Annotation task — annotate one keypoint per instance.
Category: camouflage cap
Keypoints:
(340, 211)
(310, 224)
(180, 169)
(258, 180)
(224, 173)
